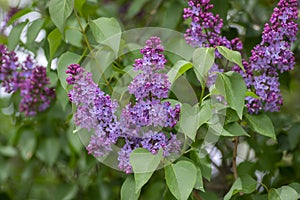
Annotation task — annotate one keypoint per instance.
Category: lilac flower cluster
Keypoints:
(8, 16)
(205, 31)
(272, 56)
(141, 122)
(95, 110)
(27, 77)
(205, 27)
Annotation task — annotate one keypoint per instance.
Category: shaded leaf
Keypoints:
(233, 56)
(128, 189)
(14, 35)
(245, 184)
(54, 38)
(261, 124)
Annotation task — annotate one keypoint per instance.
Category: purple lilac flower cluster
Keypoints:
(205, 31)
(8, 16)
(95, 110)
(27, 77)
(141, 122)
(272, 56)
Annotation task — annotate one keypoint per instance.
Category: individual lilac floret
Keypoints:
(274, 55)
(95, 110)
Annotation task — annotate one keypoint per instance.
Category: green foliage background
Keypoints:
(41, 157)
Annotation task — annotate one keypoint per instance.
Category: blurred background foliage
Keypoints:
(41, 157)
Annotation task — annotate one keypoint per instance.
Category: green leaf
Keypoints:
(233, 56)
(234, 129)
(296, 186)
(54, 39)
(232, 86)
(14, 35)
(8, 151)
(64, 61)
(283, 193)
(203, 163)
(135, 8)
(66, 192)
(128, 189)
(181, 178)
(189, 120)
(144, 164)
(107, 31)
(27, 144)
(59, 11)
(205, 113)
(34, 29)
(18, 14)
(78, 5)
(261, 124)
(203, 59)
(48, 150)
(245, 184)
(199, 182)
(178, 69)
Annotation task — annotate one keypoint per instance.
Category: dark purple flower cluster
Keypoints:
(205, 27)
(27, 77)
(272, 56)
(141, 122)
(8, 16)
(205, 31)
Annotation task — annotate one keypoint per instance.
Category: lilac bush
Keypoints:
(141, 122)
(27, 77)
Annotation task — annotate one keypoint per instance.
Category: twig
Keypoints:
(236, 143)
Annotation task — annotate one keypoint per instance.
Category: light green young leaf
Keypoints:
(189, 120)
(34, 29)
(296, 186)
(283, 193)
(234, 129)
(64, 61)
(232, 86)
(178, 69)
(54, 40)
(59, 11)
(144, 164)
(181, 178)
(233, 56)
(107, 31)
(261, 124)
(14, 35)
(245, 184)
(203, 59)
(128, 189)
